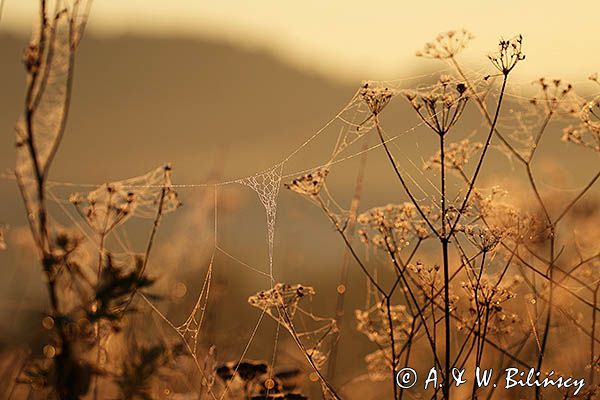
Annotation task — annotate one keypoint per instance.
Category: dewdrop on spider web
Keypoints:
(191, 327)
(357, 120)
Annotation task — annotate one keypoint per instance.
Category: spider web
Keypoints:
(266, 185)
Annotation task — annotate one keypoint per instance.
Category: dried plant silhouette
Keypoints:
(458, 274)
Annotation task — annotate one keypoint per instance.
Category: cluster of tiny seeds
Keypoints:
(309, 184)
(484, 237)
(587, 133)
(456, 155)
(374, 323)
(281, 295)
(376, 98)
(441, 106)
(509, 53)
(393, 225)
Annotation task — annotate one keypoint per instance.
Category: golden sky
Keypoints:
(361, 39)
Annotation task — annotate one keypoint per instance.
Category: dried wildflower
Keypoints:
(374, 323)
(587, 133)
(503, 219)
(456, 155)
(509, 54)
(489, 293)
(590, 115)
(113, 203)
(431, 282)
(393, 226)
(446, 45)
(484, 238)
(555, 96)
(309, 184)
(441, 106)
(281, 295)
(375, 97)
(490, 298)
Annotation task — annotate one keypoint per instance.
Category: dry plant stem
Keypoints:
(479, 347)
(408, 346)
(350, 247)
(576, 199)
(552, 229)
(38, 220)
(439, 292)
(393, 344)
(592, 341)
(420, 310)
(484, 110)
(375, 284)
(495, 385)
(480, 336)
(443, 236)
(446, 388)
(401, 178)
(42, 234)
(552, 224)
(155, 225)
(294, 335)
(101, 249)
(486, 146)
(444, 239)
(487, 116)
(339, 309)
(408, 260)
(546, 276)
